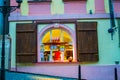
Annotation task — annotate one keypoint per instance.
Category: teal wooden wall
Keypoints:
(1, 18)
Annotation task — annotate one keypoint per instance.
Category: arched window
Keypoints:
(57, 46)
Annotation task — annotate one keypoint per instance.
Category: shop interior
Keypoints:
(56, 46)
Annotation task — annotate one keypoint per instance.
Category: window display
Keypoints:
(58, 47)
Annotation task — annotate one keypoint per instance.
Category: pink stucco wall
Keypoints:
(56, 69)
(99, 6)
(77, 7)
(117, 6)
(13, 3)
(97, 72)
(100, 72)
(39, 9)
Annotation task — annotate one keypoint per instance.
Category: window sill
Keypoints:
(58, 63)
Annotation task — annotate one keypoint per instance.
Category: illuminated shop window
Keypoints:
(56, 46)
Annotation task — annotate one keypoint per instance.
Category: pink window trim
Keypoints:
(99, 6)
(39, 9)
(77, 7)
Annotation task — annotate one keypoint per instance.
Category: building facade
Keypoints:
(64, 34)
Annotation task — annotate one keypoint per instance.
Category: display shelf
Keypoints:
(55, 43)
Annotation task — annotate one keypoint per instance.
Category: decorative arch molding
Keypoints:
(55, 25)
(40, 34)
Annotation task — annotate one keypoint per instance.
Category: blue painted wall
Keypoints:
(1, 18)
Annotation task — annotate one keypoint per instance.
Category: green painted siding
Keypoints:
(13, 45)
(106, 5)
(118, 22)
(57, 7)
(12, 32)
(90, 6)
(24, 8)
(109, 52)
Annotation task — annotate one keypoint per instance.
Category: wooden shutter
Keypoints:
(87, 43)
(26, 43)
